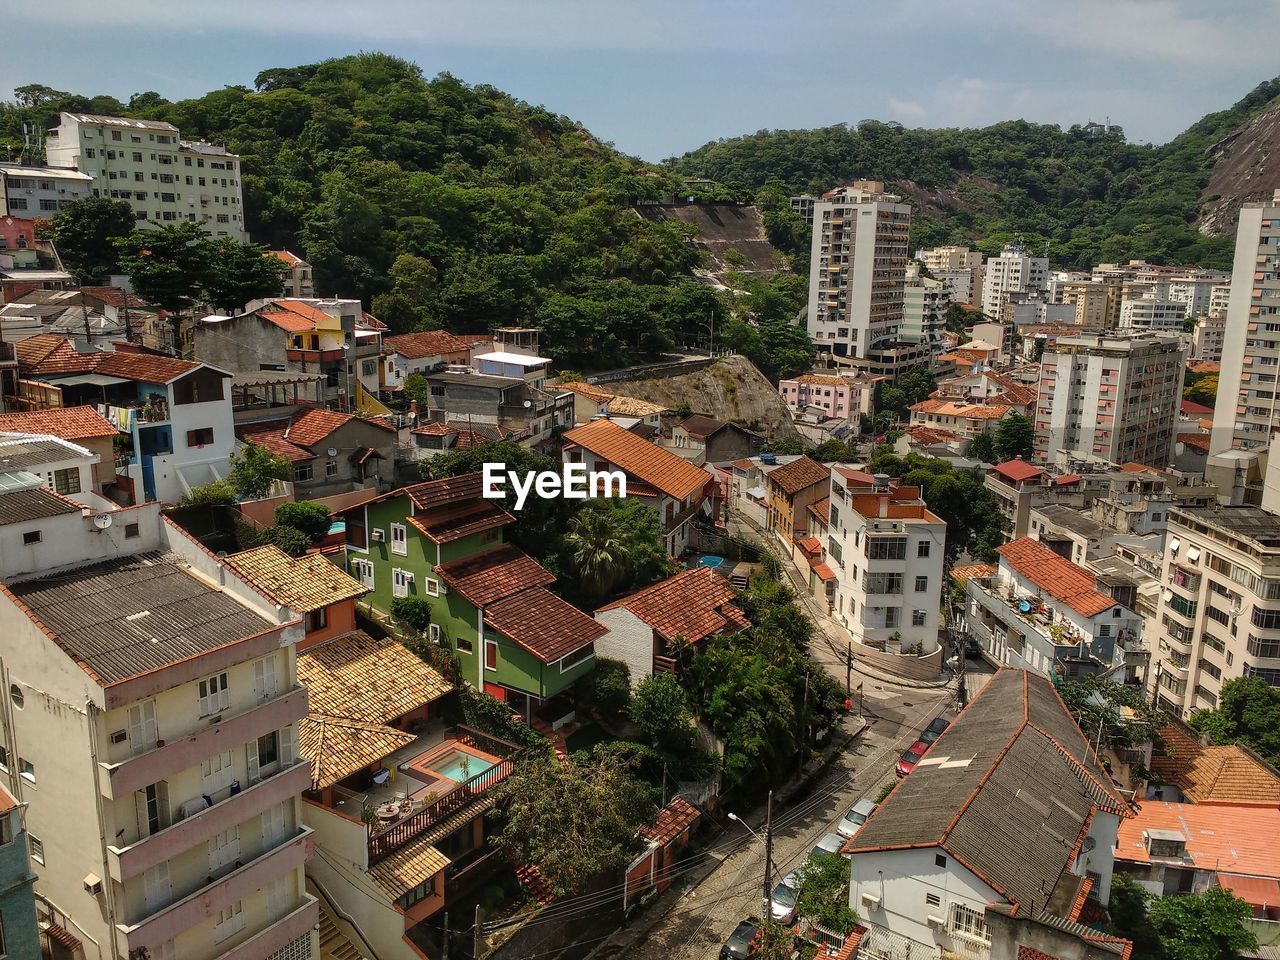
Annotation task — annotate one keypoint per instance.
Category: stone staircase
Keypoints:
(333, 945)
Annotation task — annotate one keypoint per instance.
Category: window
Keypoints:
(131, 531)
(1266, 619)
(932, 900)
(302, 473)
(490, 655)
(6, 836)
(214, 696)
(269, 749)
(36, 846)
(420, 892)
(230, 922)
(1258, 647)
(400, 580)
(939, 860)
(968, 922)
(216, 773)
(17, 696)
(399, 539)
(67, 481)
(432, 587)
(918, 618)
(26, 769)
(317, 619)
(922, 548)
(577, 657)
(200, 437)
(886, 548)
(922, 584)
(4, 759)
(362, 570)
(433, 632)
(892, 615)
(31, 537)
(331, 468)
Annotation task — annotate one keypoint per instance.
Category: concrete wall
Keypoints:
(629, 639)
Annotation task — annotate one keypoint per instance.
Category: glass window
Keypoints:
(269, 749)
(213, 695)
(67, 480)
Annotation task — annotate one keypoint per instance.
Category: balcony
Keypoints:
(168, 922)
(313, 356)
(162, 762)
(286, 930)
(126, 862)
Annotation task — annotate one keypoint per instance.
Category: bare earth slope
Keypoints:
(1247, 169)
(730, 389)
(723, 227)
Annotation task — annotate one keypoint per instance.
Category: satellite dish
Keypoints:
(332, 451)
(102, 521)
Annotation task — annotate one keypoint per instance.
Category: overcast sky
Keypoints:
(658, 77)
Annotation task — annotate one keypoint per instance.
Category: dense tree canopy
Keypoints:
(1248, 712)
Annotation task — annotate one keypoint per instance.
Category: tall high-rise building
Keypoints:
(857, 269)
(1014, 271)
(959, 268)
(924, 308)
(164, 178)
(1110, 397)
(1246, 414)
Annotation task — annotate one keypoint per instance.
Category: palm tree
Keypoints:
(600, 555)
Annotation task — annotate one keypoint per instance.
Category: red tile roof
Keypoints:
(429, 343)
(114, 296)
(701, 426)
(1255, 891)
(1244, 840)
(49, 354)
(543, 624)
(274, 439)
(312, 424)
(1220, 775)
(1018, 470)
(822, 509)
(978, 571)
(799, 474)
(485, 578)
(304, 309)
(634, 455)
(1195, 409)
(1067, 479)
(694, 605)
(672, 820)
(66, 423)
(1205, 366)
(1196, 441)
(928, 435)
(147, 367)
(1058, 577)
(287, 258)
(7, 802)
(286, 320)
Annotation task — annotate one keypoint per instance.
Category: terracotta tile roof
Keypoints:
(286, 320)
(1058, 577)
(1255, 891)
(413, 864)
(66, 423)
(822, 380)
(1244, 840)
(1067, 479)
(702, 427)
(824, 571)
(1226, 775)
(810, 545)
(459, 522)
(694, 605)
(1018, 470)
(799, 474)
(287, 258)
(304, 583)
(271, 435)
(338, 747)
(304, 309)
(1206, 366)
(1015, 396)
(822, 509)
(860, 477)
(1196, 441)
(147, 367)
(849, 949)
(433, 429)
(962, 409)
(1195, 409)
(485, 578)
(929, 435)
(33, 351)
(312, 424)
(115, 297)
(587, 390)
(979, 571)
(7, 802)
(370, 680)
(671, 474)
(428, 343)
(543, 624)
(671, 821)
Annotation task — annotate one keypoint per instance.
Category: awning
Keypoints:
(756, 493)
(824, 572)
(1257, 891)
(90, 379)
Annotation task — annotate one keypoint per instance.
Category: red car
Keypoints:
(909, 759)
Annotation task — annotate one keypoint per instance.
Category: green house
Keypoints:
(490, 604)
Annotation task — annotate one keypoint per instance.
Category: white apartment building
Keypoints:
(1220, 300)
(858, 268)
(27, 192)
(1219, 611)
(1150, 312)
(924, 308)
(959, 268)
(1014, 271)
(149, 724)
(1196, 292)
(164, 178)
(1111, 398)
(1208, 337)
(886, 549)
(1246, 413)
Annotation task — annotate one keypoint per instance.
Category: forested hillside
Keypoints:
(1091, 194)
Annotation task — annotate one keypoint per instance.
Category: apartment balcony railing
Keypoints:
(163, 924)
(274, 939)
(126, 862)
(313, 356)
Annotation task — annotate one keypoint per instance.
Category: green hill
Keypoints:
(1092, 195)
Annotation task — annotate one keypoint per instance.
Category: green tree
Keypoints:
(1128, 909)
(1204, 391)
(823, 896)
(597, 551)
(413, 612)
(235, 273)
(573, 821)
(254, 468)
(289, 539)
(983, 449)
(607, 689)
(306, 515)
(85, 232)
(1015, 437)
(1111, 713)
(214, 493)
(1248, 712)
(1202, 926)
(167, 267)
(660, 708)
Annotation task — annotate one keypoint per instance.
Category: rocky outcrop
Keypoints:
(1247, 168)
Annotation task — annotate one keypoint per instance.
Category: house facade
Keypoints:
(19, 934)
(330, 452)
(790, 490)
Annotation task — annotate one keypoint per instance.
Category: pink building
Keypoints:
(17, 234)
(837, 397)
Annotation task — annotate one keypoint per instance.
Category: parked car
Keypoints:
(739, 944)
(908, 761)
(934, 730)
(782, 902)
(830, 843)
(854, 818)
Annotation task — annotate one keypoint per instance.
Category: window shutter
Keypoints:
(286, 747)
(251, 759)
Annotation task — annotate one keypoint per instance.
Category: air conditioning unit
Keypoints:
(936, 922)
(379, 536)
(92, 884)
(119, 736)
(870, 900)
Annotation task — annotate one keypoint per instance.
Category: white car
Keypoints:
(852, 821)
(782, 902)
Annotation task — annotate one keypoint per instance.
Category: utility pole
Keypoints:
(476, 936)
(444, 949)
(768, 858)
(848, 668)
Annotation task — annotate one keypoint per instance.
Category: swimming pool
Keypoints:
(710, 560)
(450, 764)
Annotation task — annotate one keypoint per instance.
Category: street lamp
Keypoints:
(737, 819)
(768, 854)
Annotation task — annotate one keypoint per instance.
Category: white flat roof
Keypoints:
(523, 359)
(62, 173)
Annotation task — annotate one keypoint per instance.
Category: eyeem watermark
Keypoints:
(576, 483)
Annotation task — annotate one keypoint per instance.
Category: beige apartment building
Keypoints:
(1096, 303)
(959, 268)
(1246, 414)
(858, 269)
(1110, 398)
(1219, 611)
(164, 178)
(149, 722)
